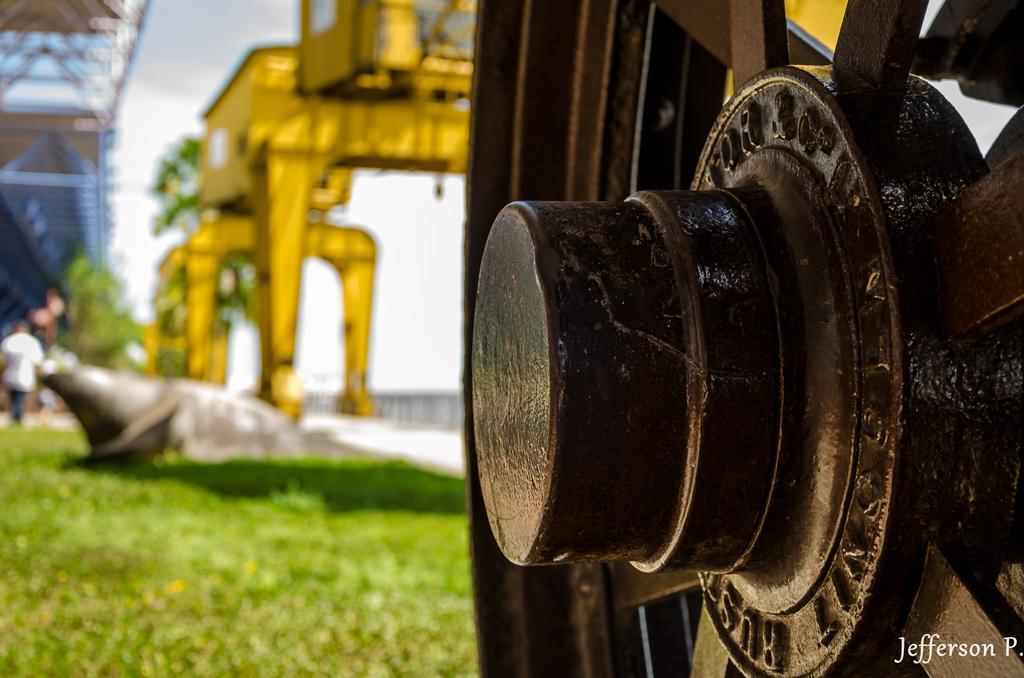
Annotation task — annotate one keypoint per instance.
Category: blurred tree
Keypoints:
(170, 304)
(236, 292)
(101, 328)
(177, 188)
(170, 318)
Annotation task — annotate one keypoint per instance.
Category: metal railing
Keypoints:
(440, 408)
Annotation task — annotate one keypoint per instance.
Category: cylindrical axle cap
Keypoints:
(623, 378)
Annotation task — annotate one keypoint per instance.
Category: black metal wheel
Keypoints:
(747, 377)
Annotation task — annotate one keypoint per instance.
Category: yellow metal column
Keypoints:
(205, 252)
(282, 183)
(353, 254)
(152, 339)
(218, 368)
(201, 271)
(278, 143)
(357, 293)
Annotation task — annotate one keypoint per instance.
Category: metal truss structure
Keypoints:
(63, 64)
(75, 51)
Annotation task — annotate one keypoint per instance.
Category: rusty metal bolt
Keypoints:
(625, 365)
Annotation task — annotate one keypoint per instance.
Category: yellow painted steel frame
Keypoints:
(278, 150)
(351, 251)
(200, 259)
(282, 199)
(207, 348)
(297, 153)
(359, 45)
(154, 341)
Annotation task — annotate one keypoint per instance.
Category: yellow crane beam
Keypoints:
(351, 251)
(214, 241)
(282, 139)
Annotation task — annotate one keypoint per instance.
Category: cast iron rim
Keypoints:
(577, 169)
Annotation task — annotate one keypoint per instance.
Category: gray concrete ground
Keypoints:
(437, 449)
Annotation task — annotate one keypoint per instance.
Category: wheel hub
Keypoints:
(715, 379)
(589, 308)
(824, 528)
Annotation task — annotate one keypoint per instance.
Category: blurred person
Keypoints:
(23, 355)
(45, 319)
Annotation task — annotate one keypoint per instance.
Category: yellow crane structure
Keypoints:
(379, 84)
(820, 19)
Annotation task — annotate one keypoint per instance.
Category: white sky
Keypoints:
(187, 51)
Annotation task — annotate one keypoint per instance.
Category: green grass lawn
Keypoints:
(308, 567)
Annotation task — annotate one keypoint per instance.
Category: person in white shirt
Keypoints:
(23, 354)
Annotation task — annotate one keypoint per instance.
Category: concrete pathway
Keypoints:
(434, 448)
(429, 447)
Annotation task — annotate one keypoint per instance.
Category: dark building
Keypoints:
(53, 202)
(62, 68)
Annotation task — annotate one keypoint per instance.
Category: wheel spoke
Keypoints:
(710, 658)
(546, 621)
(979, 243)
(946, 608)
(708, 22)
(877, 41)
(757, 37)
